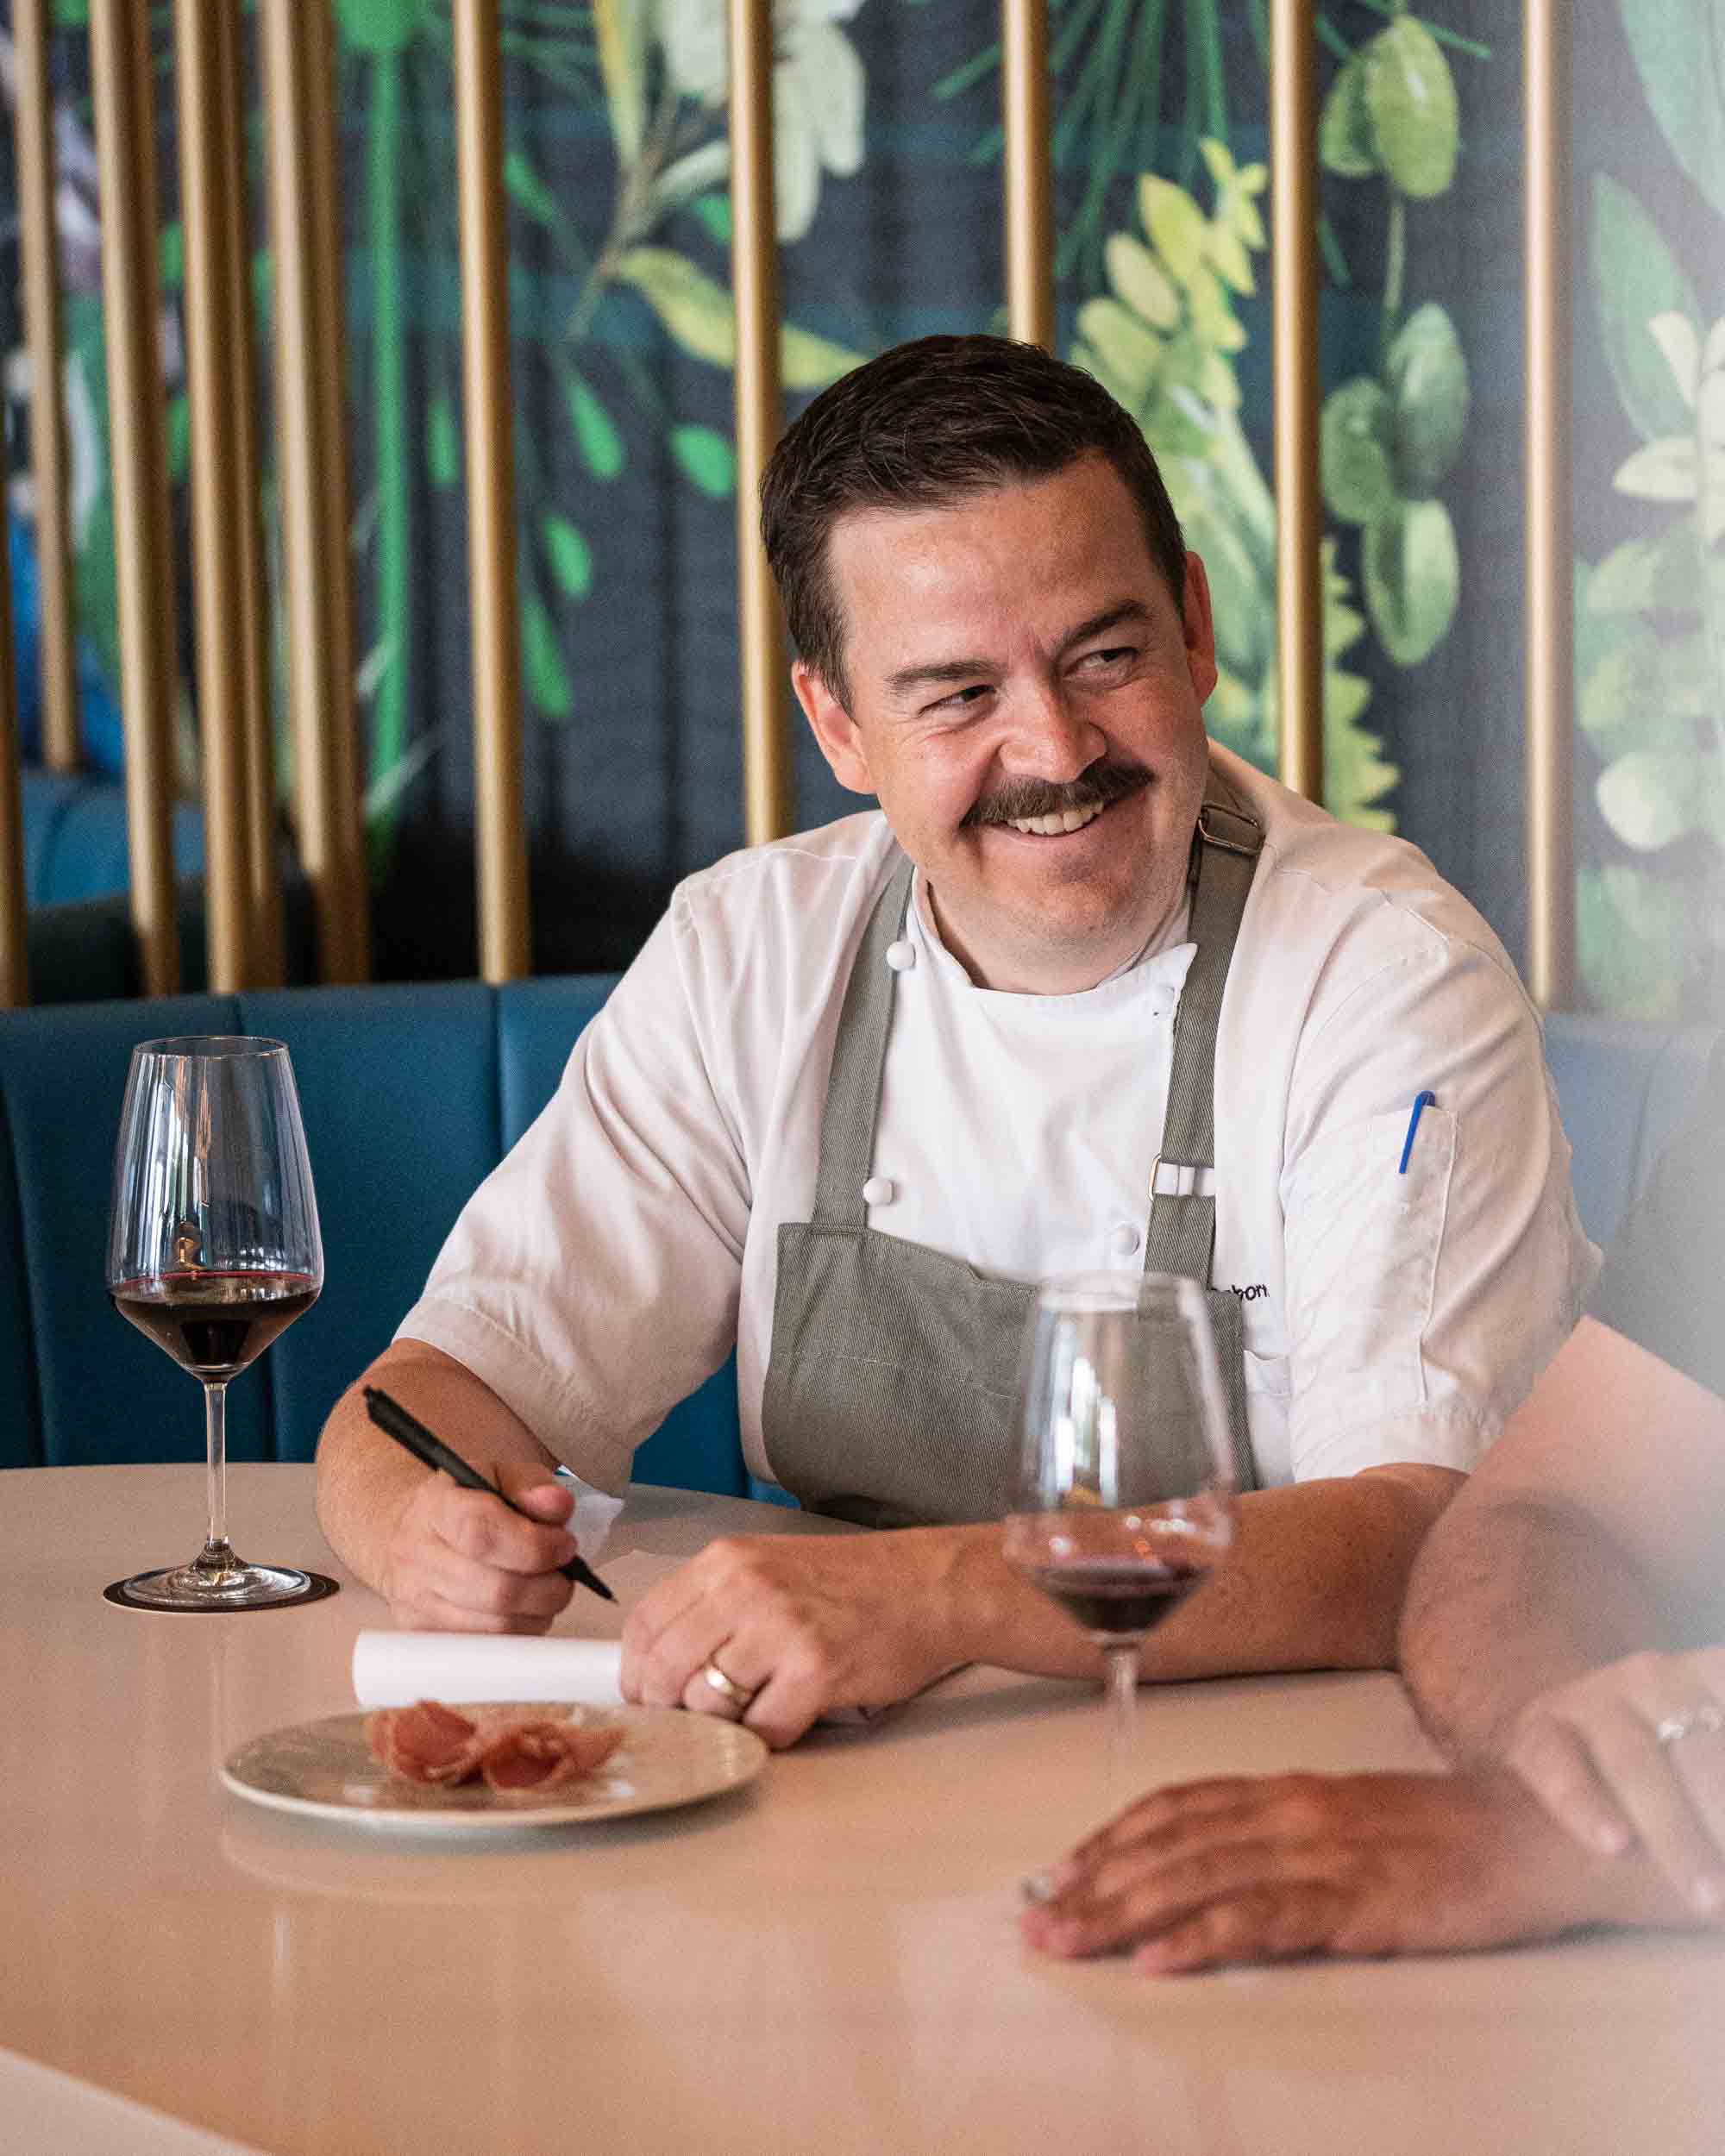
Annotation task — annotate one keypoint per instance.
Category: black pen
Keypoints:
(392, 1418)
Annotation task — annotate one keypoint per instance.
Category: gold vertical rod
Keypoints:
(48, 473)
(264, 961)
(330, 345)
(207, 208)
(14, 955)
(1299, 515)
(1027, 179)
(499, 805)
(1550, 694)
(316, 558)
(123, 92)
(767, 772)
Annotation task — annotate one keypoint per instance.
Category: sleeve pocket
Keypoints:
(1363, 1240)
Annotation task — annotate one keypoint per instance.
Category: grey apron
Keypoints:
(892, 1385)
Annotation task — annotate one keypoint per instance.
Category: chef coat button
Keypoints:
(878, 1191)
(901, 956)
(1125, 1239)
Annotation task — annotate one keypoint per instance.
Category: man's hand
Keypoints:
(1362, 1863)
(1592, 1752)
(803, 1623)
(458, 1560)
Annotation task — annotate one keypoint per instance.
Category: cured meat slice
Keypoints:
(513, 1748)
(544, 1755)
(426, 1742)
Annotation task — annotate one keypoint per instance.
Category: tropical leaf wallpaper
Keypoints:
(1650, 575)
(888, 152)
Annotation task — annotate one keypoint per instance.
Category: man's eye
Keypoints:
(961, 699)
(1115, 655)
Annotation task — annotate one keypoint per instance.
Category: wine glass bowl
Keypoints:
(213, 1248)
(1126, 1483)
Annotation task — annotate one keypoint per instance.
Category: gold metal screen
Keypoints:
(491, 503)
(1029, 181)
(311, 457)
(295, 56)
(768, 793)
(1549, 627)
(1299, 515)
(123, 87)
(223, 496)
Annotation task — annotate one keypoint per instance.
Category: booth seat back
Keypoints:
(1626, 1090)
(410, 1096)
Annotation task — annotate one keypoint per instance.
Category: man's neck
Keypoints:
(1028, 968)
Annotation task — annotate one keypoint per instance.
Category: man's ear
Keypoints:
(841, 743)
(1200, 629)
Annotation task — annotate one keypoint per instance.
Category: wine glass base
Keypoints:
(193, 1587)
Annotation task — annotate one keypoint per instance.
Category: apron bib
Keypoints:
(891, 1386)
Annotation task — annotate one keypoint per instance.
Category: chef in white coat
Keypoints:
(1084, 990)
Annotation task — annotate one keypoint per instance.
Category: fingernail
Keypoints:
(1037, 1887)
(1610, 1838)
(1708, 1894)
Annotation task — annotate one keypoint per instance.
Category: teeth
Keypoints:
(1073, 819)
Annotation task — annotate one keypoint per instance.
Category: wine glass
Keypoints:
(212, 1248)
(1125, 1486)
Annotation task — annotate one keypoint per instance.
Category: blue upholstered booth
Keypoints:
(409, 1096)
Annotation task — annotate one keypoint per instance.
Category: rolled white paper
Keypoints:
(394, 1669)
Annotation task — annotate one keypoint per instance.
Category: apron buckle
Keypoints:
(1209, 830)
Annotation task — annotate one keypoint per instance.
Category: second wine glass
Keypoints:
(1126, 1484)
(213, 1248)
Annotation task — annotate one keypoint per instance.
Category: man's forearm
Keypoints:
(365, 1479)
(1314, 1580)
(1512, 1595)
(1588, 1533)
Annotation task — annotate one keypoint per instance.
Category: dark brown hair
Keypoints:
(922, 426)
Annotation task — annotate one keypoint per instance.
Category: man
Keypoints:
(843, 1115)
(1560, 1639)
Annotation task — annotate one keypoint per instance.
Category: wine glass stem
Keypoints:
(216, 1549)
(1122, 1721)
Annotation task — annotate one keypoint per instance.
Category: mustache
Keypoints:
(1109, 779)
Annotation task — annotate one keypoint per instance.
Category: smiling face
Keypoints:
(1025, 700)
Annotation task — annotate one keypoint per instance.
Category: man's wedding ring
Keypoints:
(735, 1695)
(1674, 1728)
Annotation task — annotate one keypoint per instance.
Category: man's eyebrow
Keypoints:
(1131, 612)
(936, 674)
(942, 673)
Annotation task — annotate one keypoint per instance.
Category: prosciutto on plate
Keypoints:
(507, 1747)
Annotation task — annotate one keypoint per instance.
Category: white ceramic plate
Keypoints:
(324, 1770)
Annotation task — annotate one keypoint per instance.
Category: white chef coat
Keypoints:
(609, 1264)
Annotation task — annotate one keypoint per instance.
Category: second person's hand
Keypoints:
(1635, 1751)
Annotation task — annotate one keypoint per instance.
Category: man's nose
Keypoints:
(1047, 738)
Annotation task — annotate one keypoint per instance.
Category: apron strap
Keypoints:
(859, 1057)
(1181, 1235)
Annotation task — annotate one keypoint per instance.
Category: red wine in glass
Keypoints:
(1116, 1598)
(214, 1323)
(213, 1248)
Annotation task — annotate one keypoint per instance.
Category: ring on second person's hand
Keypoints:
(734, 1694)
(1709, 1717)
